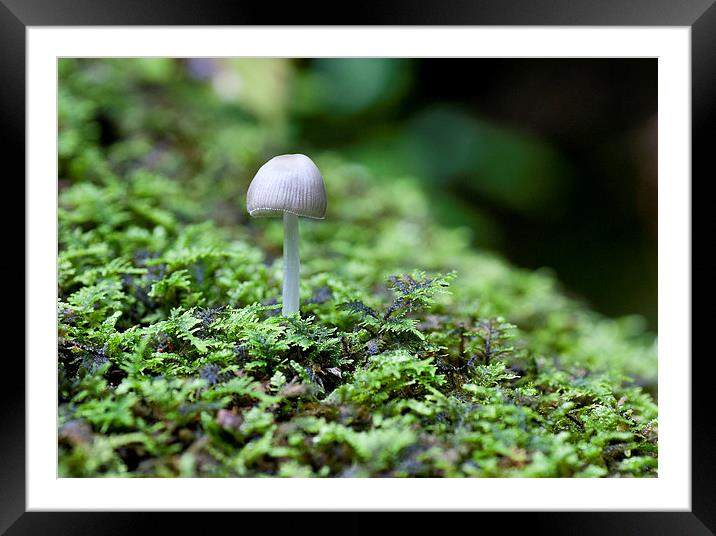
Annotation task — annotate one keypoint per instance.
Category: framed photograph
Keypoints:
(423, 260)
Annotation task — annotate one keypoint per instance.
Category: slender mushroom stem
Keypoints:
(291, 266)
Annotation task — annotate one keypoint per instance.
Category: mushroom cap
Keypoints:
(287, 183)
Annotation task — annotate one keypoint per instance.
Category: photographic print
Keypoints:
(357, 267)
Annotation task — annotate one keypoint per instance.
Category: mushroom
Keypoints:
(290, 185)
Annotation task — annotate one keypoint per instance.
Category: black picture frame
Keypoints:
(699, 15)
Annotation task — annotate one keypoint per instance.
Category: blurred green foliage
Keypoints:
(413, 355)
(551, 162)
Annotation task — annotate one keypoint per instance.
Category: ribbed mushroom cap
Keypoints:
(287, 183)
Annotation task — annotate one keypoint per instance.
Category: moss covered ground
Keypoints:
(414, 354)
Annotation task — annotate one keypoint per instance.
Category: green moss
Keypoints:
(413, 355)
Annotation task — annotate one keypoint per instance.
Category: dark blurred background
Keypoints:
(552, 162)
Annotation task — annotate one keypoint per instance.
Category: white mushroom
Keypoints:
(290, 185)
